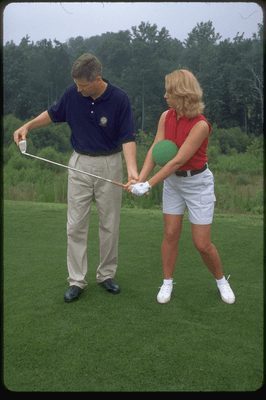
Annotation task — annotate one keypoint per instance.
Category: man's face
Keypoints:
(87, 88)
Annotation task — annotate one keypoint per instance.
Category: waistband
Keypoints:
(85, 153)
(191, 173)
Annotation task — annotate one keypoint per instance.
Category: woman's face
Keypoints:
(171, 99)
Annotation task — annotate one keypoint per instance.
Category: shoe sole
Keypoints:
(75, 298)
(69, 301)
(108, 290)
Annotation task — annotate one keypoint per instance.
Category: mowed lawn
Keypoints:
(130, 342)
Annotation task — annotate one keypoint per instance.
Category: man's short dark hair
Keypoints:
(87, 66)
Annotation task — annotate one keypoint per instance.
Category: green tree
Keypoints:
(201, 57)
(256, 81)
(228, 139)
(49, 68)
(238, 86)
(230, 73)
(198, 43)
(115, 55)
(73, 45)
(211, 79)
(15, 82)
(143, 79)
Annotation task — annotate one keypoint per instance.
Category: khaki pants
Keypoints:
(81, 189)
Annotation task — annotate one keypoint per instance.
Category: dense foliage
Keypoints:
(137, 60)
(230, 73)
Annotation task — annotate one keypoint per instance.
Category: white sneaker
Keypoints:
(227, 294)
(165, 292)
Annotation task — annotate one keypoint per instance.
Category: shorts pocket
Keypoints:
(208, 199)
(208, 177)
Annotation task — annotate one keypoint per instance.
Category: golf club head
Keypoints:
(23, 146)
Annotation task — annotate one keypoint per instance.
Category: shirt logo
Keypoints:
(103, 121)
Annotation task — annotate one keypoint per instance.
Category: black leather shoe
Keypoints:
(72, 293)
(111, 286)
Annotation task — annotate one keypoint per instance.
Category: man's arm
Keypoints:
(129, 150)
(149, 164)
(38, 122)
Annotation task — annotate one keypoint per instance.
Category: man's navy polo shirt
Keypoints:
(98, 126)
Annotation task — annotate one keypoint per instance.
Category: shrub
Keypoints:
(54, 135)
(255, 149)
(9, 152)
(239, 163)
(259, 197)
(232, 138)
(10, 125)
(18, 161)
(223, 193)
(12, 177)
(45, 192)
(60, 188)
(51, 154)
(241, 180)
(213, 153)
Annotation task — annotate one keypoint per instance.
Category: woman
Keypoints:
(188, 183)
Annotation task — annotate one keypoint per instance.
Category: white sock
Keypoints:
(221, 281)
(168, 281)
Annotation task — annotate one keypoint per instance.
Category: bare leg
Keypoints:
(173, 227)
(202, 239)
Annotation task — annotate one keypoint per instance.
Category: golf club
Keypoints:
(23, 148)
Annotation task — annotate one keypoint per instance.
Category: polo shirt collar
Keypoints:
(107, 92)
(181, 118)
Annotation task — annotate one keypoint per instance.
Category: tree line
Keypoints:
(137, 60)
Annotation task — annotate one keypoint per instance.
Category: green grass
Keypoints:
(129, 342)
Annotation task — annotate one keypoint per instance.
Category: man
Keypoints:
(102, 125)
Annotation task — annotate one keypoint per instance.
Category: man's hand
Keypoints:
(140, 188)
(130, 182)
(133, 177)
(20, 134)
(42, 120)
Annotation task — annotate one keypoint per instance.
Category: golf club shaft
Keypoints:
(74, 169)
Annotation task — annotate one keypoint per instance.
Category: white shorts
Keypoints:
(196, 193)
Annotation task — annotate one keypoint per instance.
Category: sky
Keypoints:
(61, 21)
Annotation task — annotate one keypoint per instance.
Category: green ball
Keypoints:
(164, 151)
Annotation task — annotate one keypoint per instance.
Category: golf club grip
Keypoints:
(118, 184)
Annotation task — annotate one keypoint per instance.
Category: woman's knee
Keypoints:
(173, 227)
(201, 235)
(203, 246)
(171, 236)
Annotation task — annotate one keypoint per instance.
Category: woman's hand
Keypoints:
(138, 189)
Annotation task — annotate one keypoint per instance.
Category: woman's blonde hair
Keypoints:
(184, 87)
